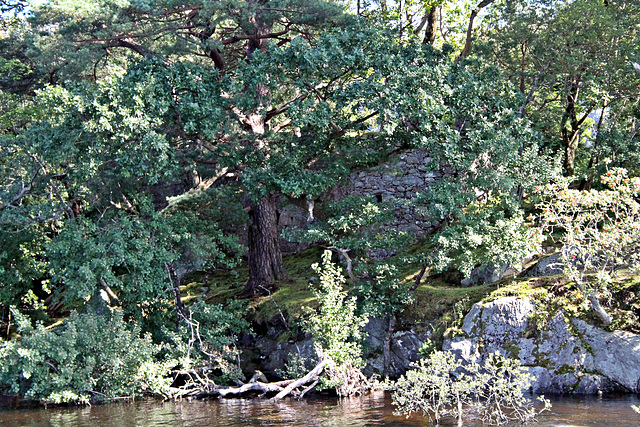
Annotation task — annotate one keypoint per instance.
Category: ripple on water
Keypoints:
(372, 410)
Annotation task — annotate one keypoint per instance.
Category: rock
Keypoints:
(593, 384)
(376, 330)
(485, 274)
(506, 318)
(404, 350)
(563, 384)
(463, 349)
(275, 356)
(567, 356)
(541, 382)
(548, 266)
(616, 355)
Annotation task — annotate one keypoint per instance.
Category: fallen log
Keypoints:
(311, 376)
(263, 388)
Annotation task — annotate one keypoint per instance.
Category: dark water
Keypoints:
(373, 410)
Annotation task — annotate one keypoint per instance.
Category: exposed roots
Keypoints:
(349, 380)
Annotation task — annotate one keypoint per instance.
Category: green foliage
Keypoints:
(335, 327)
(207, 337)
(485, 234)
(89, 357)
(356, 229)
(551, 55)
(488, 158)
(441, 386)
(296, 367)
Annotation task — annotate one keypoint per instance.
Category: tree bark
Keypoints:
(466, 50)
(311, 376)
(432, 21)
(570, 127)
(265, 256)
(386, 349)
(600, 311)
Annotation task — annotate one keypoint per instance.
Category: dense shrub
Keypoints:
(89, 357)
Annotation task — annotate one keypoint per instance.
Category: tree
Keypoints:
(568, 60)
(225, 36)
(488, 157)
(601, 232)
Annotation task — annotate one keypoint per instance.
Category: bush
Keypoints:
(440, 386)
(89, 357)
(337, 332)
(601, 232)
(207, 337)
(335, 327)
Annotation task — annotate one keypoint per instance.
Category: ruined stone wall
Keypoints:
(400, 180)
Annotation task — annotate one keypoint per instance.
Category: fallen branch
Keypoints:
(264, 388)
(311, 376)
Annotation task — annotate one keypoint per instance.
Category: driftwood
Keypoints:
(311, 376)
(351, 382)
(198, 385)
(261, 387)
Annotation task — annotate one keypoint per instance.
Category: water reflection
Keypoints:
(372, 410)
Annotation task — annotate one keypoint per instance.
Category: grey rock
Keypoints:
(376, 330)
(541, 382)
(563, 384)
(548, 266)
(506, 318)
(470, 320)
(404, 350)
(463, 349)
(412, 181)
(567, 356)
(485, 274)
(616, 355)
(593, 384)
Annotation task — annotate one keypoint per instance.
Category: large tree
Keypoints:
(74, 41)
(258, 103)
(570, 60)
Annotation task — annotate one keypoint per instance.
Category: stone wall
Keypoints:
(400, 179)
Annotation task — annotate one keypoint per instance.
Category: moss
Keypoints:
(573, 330)
(512, 349)
(565, 369)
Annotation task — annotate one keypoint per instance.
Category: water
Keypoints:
(372, 410)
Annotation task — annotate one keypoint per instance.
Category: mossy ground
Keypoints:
(440, 303)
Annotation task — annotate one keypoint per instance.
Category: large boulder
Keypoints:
(567, 355)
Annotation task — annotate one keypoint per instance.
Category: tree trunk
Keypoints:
(570, 126)
(265, 257)
(386, 349)
(432, 21)
(600, 311)
(466, 50)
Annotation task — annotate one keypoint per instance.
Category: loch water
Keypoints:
(371, 410)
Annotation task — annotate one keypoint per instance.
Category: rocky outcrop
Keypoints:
(272, 356)
(547, 266)
(566, 355)
(404, 347)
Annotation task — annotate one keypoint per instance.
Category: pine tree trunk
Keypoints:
(265, 257)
